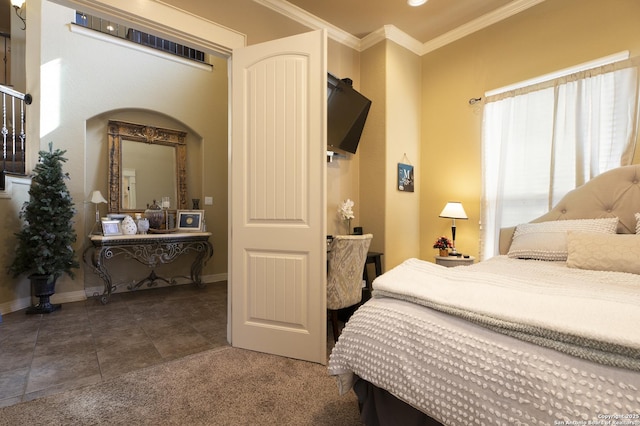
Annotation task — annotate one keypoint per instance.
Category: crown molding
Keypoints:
(390, 32)
(403, 39)
(478, 24)
(372, 38)
(307, 19)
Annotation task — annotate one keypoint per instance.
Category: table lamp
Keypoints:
(453, 210)
(97, 198)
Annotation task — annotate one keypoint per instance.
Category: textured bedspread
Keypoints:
(461, 372)
(590, 314)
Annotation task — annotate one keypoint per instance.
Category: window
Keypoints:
(542, 141)
(138, 37)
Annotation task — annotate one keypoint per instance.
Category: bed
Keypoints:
(546, 333)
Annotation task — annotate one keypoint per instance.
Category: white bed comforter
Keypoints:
(462, 372)
(590, 314)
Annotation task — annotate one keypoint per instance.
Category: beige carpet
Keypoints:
(225, 386)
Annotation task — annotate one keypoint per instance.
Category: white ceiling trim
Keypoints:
(478, 24)
(390, 32)
(305, 18)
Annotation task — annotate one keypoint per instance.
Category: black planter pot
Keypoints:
(43, 286)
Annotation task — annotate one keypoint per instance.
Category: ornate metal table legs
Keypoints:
(151, 252)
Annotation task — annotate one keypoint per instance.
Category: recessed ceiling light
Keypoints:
(416, 3)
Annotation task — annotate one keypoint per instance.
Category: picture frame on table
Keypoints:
(111, 227)
(190, 220)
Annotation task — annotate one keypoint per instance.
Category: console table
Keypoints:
(150, 250)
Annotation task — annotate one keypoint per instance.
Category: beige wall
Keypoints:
(343, 180)
(402, 241)
(84, 82)
(16, 195)
(411, 96)
(550, 36)
(5, 16)
(372, 149)
(15, 59)
(391, 77)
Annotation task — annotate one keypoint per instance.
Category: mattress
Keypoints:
(460, 372)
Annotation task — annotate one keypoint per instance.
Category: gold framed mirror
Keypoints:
(146, 163)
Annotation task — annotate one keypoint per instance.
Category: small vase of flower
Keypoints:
(345, 210)
(443, 244)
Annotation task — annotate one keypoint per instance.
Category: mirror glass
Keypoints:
(148, 173)
(145, 164)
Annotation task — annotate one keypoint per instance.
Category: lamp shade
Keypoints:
(453, 210)
(17, 3)
(97, 198)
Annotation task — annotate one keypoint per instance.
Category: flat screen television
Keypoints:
(347, 112)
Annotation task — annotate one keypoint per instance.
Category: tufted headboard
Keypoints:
(615, 193)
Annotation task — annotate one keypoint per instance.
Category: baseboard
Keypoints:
(214, 278)
(14, 305)
(25, 302)
(77, 296)
(122, 288)
(68, 297)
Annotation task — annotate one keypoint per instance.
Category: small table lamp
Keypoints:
(97, 198)
(453, 210)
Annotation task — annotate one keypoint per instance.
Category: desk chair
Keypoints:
(347, 256)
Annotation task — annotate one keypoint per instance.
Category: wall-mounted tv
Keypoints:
(347, 112)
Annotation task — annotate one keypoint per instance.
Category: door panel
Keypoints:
(278, 216)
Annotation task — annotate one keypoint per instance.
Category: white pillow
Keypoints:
(548, 240)
(637, 215)
(603, 252)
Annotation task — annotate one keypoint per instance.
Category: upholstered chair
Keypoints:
(346, 257)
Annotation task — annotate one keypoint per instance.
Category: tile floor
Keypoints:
(87, 342)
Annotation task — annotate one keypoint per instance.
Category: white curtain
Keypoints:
(542, 141)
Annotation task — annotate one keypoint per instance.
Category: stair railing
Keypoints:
(13, 133)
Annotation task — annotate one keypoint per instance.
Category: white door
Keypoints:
(278, 219)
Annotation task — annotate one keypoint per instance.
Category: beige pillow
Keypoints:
(539, 246)
(637, 215)
(603, 252)
(548, 240)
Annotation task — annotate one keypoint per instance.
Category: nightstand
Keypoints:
(450, 261)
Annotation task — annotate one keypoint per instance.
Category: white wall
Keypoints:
(82, 78)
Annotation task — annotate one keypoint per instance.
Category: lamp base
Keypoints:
(97, 229)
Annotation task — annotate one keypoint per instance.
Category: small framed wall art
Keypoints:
(111, 227)
(405, 177)
(190, 220)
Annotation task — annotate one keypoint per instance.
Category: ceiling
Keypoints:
(362, 17)
(424, 23)
(421, 28)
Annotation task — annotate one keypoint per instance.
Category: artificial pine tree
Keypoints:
(45, 242)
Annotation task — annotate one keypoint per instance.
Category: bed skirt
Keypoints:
(378, 408)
